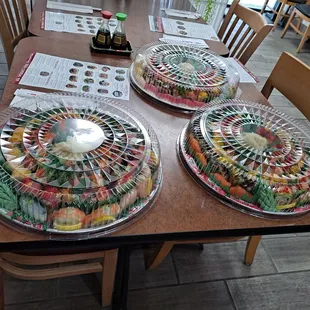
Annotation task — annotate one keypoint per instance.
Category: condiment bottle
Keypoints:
(119, 40)
(103, 37)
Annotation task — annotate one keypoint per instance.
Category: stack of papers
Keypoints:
(183, 14)
(71, 7)
(246, 76)
(21, 94)
(187, 41)
(182, 28)
(81, 24)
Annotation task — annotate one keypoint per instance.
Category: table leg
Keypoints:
(122, 278)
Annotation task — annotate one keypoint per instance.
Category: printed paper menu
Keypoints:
(188, 29)
(246, 76)
(64, 74)
(74, 23)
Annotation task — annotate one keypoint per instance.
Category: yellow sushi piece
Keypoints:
(15, 152)
(68, 227)
(102, 219)
(20, 173)
(289, 206)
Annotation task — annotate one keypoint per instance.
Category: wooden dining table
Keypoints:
(136, 24)
(183, 211)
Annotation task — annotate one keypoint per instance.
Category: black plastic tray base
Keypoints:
(103, 50)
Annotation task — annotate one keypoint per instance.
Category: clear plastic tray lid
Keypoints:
(258, 156)
(183, 76)
(76, 163)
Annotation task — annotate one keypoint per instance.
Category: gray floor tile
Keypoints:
(57, 304)
(307, 234)
(18, 291)
(279, 292)
(79, 285)
(76, 303)
(2, 58)
(185, 297)
(4, 69)
(219, 261)
(289, 254)
(3, 79)
(279, 236)
(164, 274)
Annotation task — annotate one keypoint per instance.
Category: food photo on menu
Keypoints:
(64, 74)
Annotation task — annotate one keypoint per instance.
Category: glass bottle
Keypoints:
(103, 37)
(119, 40)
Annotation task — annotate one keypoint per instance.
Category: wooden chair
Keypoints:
(246, 38)
(280, 13)
(14, 264)
(291, 77)
(13, 25)
(302, 11)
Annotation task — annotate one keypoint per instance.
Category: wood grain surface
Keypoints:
(183, 206)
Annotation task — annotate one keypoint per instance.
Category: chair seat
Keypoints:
(304, 9)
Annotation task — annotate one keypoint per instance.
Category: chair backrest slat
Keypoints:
(8, 8)
(230, 30)
(241, 42)
(244, 43)
(13, 23)
(291, 77)
(18, 18)
(236, 36)
(227, 19)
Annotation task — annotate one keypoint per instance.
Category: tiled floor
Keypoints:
(189, 279)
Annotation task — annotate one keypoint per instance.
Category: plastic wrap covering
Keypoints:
(252, 157)
(76, 165)
(181, 76)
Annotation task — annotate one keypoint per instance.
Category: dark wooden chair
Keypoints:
(16, 265)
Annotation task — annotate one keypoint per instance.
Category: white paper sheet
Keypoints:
(69, 7)
(189, 29)
(21, 94)
(183, 14)
(246, 76)
(73, 23)
(65, 74)
(155, 23)
(181, 40)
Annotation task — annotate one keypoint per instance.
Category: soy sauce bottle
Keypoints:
(119, 40)
(103, 37)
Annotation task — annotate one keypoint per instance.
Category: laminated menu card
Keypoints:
(51, 72)
(73, 23)
(246, 76)
(182, 28)
(189, 29)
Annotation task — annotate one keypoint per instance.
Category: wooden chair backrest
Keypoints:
(291, 77)
(246, 38)
(13, 25)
